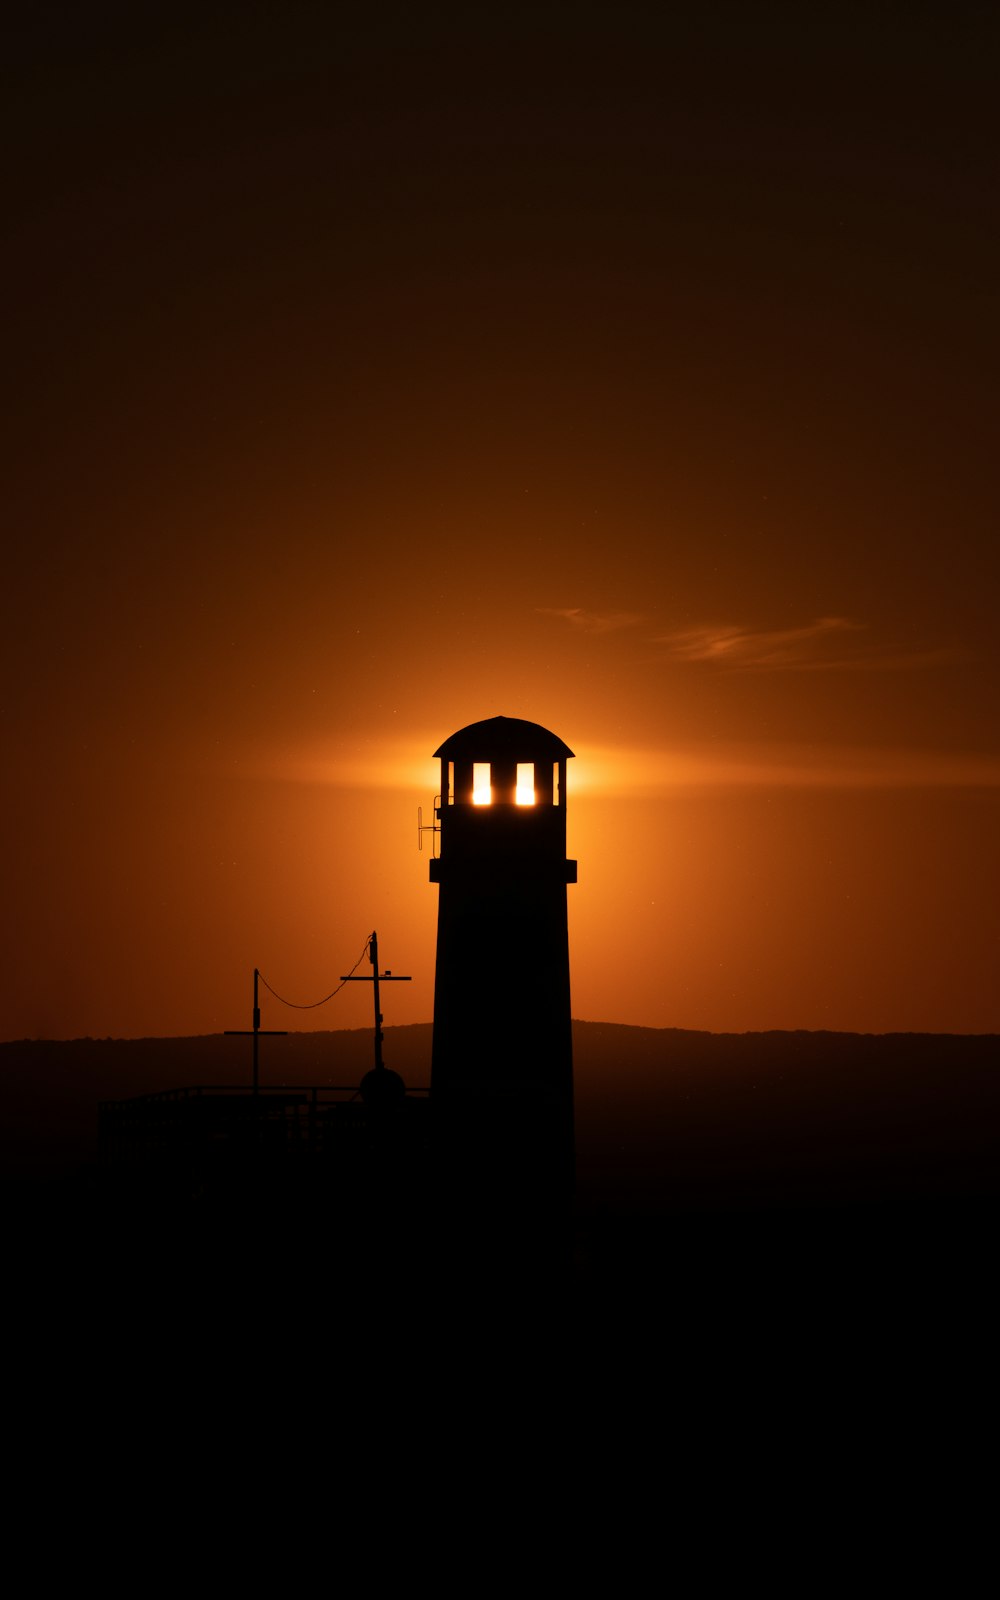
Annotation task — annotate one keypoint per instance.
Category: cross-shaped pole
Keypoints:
(375, 980)
(256, 1030)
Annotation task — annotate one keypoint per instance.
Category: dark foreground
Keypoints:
(732, 1177)
(767, 1337)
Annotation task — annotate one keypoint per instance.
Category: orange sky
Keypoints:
(376, 376)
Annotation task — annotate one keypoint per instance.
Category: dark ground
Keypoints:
(786, 1144)
(782, 1271)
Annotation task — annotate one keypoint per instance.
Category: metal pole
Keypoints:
(373, 951)
(256, 1029)
(255, 1032)
(375, 981)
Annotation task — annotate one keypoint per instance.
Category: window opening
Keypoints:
(482, 794)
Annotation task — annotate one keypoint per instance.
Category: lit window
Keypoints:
(525, 794)
(481, 792)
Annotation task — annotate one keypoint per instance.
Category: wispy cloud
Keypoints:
(828, 644)
(818, 643)
(593, 621)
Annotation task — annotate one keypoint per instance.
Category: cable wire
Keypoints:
(296, 1006)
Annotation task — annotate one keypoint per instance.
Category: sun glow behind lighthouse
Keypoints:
(482, 788)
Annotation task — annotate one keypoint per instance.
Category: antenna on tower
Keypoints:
(429, 827)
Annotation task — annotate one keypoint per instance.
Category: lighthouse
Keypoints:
(502, 1058)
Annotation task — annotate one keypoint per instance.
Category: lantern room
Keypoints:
(503, 792)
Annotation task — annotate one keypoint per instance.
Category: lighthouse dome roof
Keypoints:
(498, 738)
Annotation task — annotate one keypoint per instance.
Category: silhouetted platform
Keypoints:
(215, 1145)
(371, 1178)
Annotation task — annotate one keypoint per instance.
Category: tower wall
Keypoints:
(502, 1063)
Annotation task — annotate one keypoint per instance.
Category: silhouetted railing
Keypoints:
(197, 1124)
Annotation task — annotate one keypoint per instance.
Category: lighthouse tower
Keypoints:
(502, 1063)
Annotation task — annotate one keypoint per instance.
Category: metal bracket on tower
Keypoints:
(428, 827)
